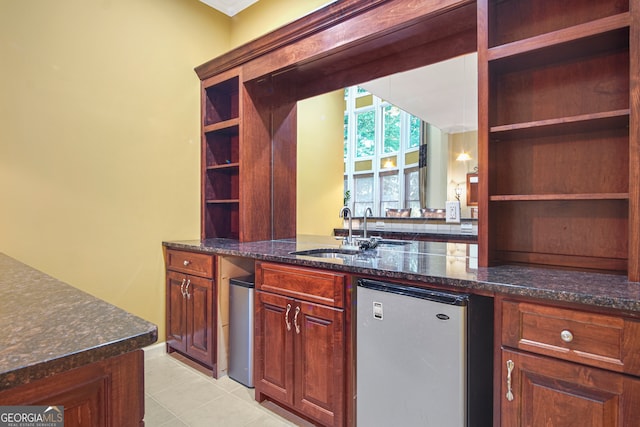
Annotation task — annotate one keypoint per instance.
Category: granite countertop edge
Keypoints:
(50, 327)
(47, 368)
(602, 290)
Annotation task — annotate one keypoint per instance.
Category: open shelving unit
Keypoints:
(555, 83)
(221, 130)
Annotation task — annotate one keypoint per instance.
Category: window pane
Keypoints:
(412, 191)
(390, 188)
(346, 136)
(389, 192)
(346, 192)
(363, 185)
(365, 134)
(413, 185)
(391, 123)
(414, 131)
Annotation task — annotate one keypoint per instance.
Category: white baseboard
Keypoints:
(155, 350)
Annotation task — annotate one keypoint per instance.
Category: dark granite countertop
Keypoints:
(411, 235)
(50, 327)
(447, 264)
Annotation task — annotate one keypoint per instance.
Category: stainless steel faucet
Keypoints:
(370, 213)
(345, 212)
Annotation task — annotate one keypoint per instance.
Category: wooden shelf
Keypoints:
(512, 21)
(220, 99)
(542, 197)
(222, 201)
(569, 41)
(230, 126)
(558, 133)
(225, 167)
(563, 125)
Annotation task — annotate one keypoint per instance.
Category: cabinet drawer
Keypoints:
(605, 341)
(322, 287)
(190, 263)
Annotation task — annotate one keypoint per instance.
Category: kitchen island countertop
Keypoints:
(453, 265)
(49, 327)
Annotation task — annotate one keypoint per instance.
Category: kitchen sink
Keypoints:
(327, 253)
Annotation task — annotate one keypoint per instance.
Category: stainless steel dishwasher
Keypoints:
(424, 357)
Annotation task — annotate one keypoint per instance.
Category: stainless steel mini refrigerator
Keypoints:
(414, 353)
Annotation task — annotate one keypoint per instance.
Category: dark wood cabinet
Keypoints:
(300, 343)
(561, 367)
(549, 392)
(558, 157)
(107, 393)
(191, 309)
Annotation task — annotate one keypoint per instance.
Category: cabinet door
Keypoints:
(274, 347)
(319, 362)
(176, 316)
(550, 392)
(200, 319)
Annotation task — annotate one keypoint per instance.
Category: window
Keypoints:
(381, 144)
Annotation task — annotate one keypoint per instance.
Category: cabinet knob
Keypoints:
(186, 262)
(566, 336)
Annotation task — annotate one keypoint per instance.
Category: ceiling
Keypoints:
(229, 7)
(444, 94)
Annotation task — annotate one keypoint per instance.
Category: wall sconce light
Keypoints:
(463, 157)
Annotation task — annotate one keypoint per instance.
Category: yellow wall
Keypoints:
(320, 163)
(99, 135)
(99, 139)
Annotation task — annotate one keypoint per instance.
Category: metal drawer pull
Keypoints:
(566, 336)
(182, 287)
(286, 317)
(510, 366)
(186, 289)
(186, 262)
(295, 320)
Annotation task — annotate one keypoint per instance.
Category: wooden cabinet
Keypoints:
(300, 341)
(190, 307)
(564, 367)
(107, 393)
(558, 137)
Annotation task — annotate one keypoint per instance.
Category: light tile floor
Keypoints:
(178, 394)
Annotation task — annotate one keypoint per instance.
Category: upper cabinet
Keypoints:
(557, 141)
